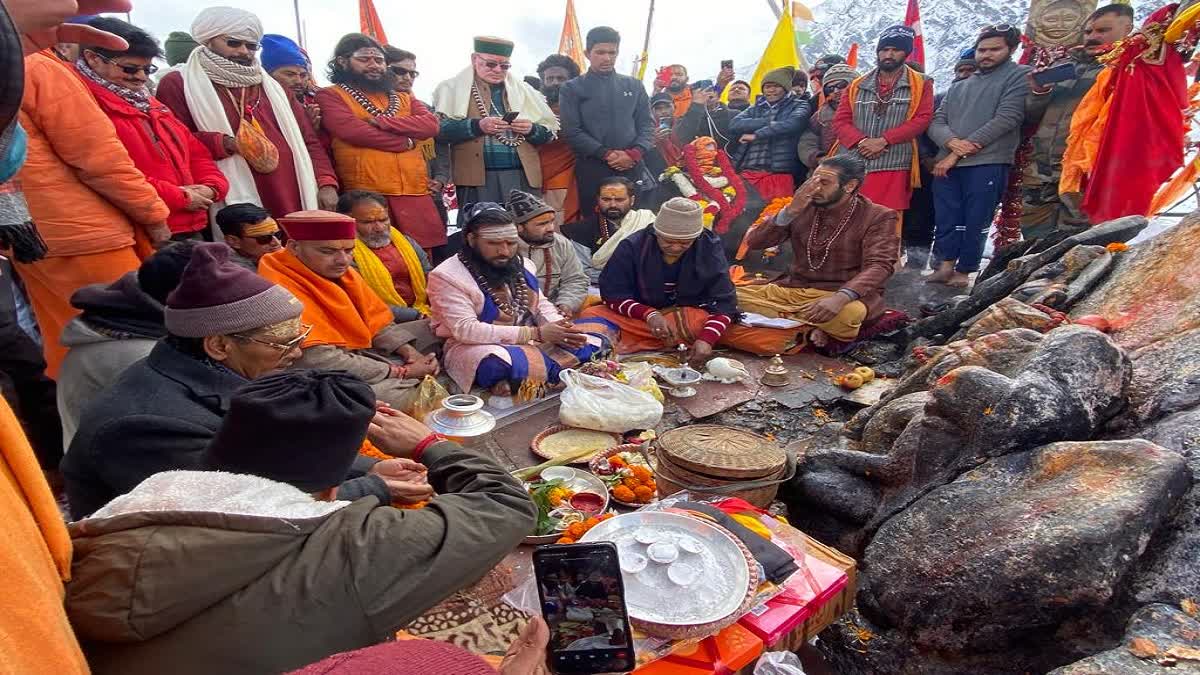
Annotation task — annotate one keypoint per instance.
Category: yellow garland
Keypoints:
(379, 279)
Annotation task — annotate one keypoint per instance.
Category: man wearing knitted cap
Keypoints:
(556, 264)
(883, 114)
(377, 134)
(668, 285)
(225, 326)
(260, 135)
(767, 133)
(819, 139)
(501, 332)
(352, 328)
(493, 122)
(259, 564)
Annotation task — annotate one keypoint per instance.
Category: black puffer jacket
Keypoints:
(780, 131)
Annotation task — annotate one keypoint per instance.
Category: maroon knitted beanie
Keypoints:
(217, 297)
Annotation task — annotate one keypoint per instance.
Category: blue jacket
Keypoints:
(780, 136)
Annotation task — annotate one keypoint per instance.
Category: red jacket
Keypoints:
(166, 151)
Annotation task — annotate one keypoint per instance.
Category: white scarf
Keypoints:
(209, 115)
(633, 221)
(453, 99)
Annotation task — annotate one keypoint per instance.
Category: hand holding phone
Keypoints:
(583, 602)
(727, 64)
(510, 116)
(1059, 73)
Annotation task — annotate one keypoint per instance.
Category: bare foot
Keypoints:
(501, 389)
(959, 280)
(943, 274)
(818, 338)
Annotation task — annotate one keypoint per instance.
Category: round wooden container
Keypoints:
(719, 460)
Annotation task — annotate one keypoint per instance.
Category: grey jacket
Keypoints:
(559, 272)
(184, 579)
(986, 108)
(93, 362)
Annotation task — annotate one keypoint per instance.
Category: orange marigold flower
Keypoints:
(575, 530)
(606, 516)
(1117, 247)
(591, 522)
(642, 473)
(624, 494)
(644, 494)
(631, 482)
(616, 462)
(565, 540)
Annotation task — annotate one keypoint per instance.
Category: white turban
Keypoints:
(236, 23)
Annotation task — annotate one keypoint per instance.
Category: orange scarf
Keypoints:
(345, 313)
(683, 101)
(916, 85)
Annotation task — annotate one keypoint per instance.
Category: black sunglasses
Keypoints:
(492, 65)
(836, 86)
(235, 44)
(264, 239)
(404, 72)
(126, 68)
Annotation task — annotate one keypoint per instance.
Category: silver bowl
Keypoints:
(461, 416)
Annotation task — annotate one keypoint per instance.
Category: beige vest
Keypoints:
(466, 159)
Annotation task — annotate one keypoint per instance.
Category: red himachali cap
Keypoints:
(318, 226)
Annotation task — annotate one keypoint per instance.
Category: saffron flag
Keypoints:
(570, 44)
(852, 56)
(802, 20)
(780, 52)
(912, 19)
(368, 21)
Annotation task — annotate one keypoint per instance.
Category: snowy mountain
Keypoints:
(949, 27)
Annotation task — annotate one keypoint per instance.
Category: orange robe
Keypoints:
(345, 313)
(35, 561)
(688, 322)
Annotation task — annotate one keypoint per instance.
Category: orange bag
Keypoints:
(252, 144)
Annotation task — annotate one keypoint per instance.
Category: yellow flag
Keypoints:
(780, 52)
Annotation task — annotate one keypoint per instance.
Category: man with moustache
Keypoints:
(502, 333)
(820, 137)
(676, 86)
(607, 122)
(375, 130)
(276, 159)
(558, 160)
(288, 64)
(885, 112)
(739, 95)
(391, 264)
(1050, 108)
(614, 220)
(556, 265)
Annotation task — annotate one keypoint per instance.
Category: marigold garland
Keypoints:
(730, 212)
(769, 212)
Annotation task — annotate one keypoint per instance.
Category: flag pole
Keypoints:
(639, 65)
(299, 30)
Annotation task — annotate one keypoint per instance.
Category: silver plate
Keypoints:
(720, 585)
(582, 481)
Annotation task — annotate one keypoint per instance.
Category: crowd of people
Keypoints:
(241, 280)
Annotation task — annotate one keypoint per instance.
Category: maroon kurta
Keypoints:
(279, 191)
(862, 258)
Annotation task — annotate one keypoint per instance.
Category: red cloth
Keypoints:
(892, 189)
(319, 226)
(278, 190)
(398, 269)
(418, 217)
(771, 185)
(166, 151)
(1142, 144)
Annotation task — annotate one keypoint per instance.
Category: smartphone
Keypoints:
(583, 601)
(1059, 73)
(510, 116)
(727, 63)
(664, 124)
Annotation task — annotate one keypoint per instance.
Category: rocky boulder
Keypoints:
(1161, 640)
(1166, 379)
(1000, 564)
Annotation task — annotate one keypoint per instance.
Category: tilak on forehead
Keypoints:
(500, 232)
(367, 53)
(267, 226)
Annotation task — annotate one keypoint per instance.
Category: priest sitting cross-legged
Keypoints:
(393, 264)
(844, 250)
(353, 330)
(501, 332)
(669, 285)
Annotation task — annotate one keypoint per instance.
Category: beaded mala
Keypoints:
(517, 308)
(812, 234)
(507, 138)
(371, 108)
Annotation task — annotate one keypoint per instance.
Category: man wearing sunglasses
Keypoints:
(493, 123)
(250, 231)
(260, 135)
(175, 163)
(816, 141)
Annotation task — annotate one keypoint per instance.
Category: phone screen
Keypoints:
(727, 63)
(583, 601)
(510, 116)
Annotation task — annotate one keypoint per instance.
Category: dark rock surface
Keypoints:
(1166, 379)
(997, 562)
(1155, 642)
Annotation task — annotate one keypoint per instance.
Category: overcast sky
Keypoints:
(439, 32)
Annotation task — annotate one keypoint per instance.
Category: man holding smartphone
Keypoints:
(1054, 93)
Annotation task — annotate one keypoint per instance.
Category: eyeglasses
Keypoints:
(264, 239)
(238, 44)
(281, 347)
(126, 68)
(492, 65)
(835, 86)
(400, 71)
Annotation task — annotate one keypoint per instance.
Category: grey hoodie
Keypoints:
(93, 362)
(986, 108)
